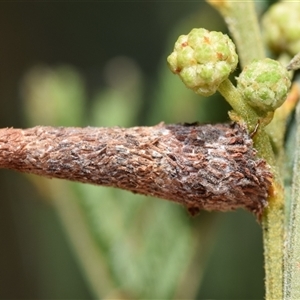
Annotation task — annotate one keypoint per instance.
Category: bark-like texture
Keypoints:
(210, 167)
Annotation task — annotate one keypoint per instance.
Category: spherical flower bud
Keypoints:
(281, 27)
(203, 59)
(264, 84)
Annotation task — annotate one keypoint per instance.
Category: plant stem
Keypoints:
(234, 98)
(273, 230)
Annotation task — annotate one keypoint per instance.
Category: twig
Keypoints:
(210, 167)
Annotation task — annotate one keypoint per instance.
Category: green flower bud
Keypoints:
(282, 27)
(203, 59)
(264, 84)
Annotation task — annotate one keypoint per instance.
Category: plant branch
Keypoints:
(235, 99)
(210, 167)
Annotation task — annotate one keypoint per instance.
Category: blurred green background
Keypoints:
(104, 64)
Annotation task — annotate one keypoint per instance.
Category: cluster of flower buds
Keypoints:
(204, 59)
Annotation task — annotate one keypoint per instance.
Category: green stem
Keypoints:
(234, 98)
(241, 19)
(273, 230)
